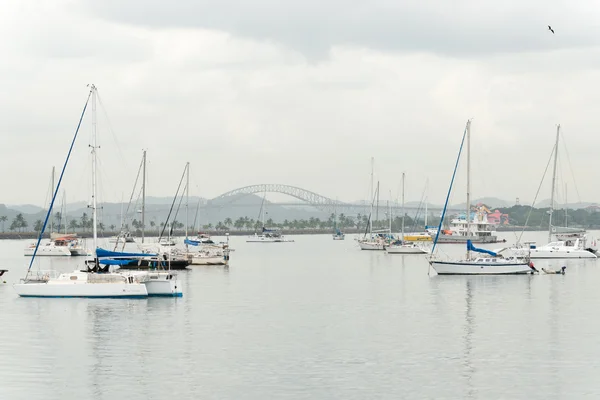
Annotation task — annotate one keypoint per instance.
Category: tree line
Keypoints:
(517, 216)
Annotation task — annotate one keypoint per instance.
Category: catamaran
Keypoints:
(94, 282)
(490, 264)
(570, 243)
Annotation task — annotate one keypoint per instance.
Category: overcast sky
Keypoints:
(301, 93)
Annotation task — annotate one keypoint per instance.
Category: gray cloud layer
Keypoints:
(457, 28)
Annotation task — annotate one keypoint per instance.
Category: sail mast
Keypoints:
(52, 216)
(426, 195)
(403, 211)
(143, 195)
(372, 198)
(553, 184)
(187, 199)
(468, 215)
(94, 147)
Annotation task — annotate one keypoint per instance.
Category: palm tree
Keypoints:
(38, 225)
(228, 222)
(112, 227)
(3, 219)
(84, 221)
(73, 225)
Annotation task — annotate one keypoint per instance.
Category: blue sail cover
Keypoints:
(268, 230)
(470, 247)
(112, 261)
(101, 253)
(191, 242)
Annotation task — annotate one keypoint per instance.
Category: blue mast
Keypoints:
(37, 245)
(449, 189)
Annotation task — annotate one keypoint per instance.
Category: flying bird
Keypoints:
(550, 29)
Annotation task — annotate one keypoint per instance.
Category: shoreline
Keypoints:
(244, 232)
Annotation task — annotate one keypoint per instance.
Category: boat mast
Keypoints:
(403, 211)
(553, 184)
(566, 208)
(52, 216)
(426, 194)
(94, 147)
(377, 204)
(468, 215)
(143, 194)
(187, 199)
(371, 199)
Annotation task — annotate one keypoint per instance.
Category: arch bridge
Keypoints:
(306, 196)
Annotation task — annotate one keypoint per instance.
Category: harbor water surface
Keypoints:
(313, 319)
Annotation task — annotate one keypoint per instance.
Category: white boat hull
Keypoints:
(473, 268)
(549, 252)
(371, 246)
(546, 254)
(163, 284)
(77, 284)
(262, 239)
(46, 250)
(215, 260)
(406, 250)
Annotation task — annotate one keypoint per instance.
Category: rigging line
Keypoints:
(37, 245)
(536, 195)
(178, 207)
(450, 189)
(196, 216)
(172, 204)
(112, 132)
(571, 169)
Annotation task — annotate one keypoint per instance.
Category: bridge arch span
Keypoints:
(316, 200)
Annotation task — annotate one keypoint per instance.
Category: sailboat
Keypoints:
(161, 254)
(491, 263)
(571, 243)
(377, 239)
(337, 233)
(401, 246)
(267, 235)
(95, 282)
(206, 251)
(159, 279)
(56, 246)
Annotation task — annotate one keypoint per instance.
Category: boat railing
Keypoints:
(40, 276)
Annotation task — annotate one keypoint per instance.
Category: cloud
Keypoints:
(457, 28)
(249, 106)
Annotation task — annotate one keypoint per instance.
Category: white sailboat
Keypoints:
(490, 264)
(570, 243)
(55, 246)
(402, 246)
(267, 235)
(160, 281)
(79, 283)
(377, 239)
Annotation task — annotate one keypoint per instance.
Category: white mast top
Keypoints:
(94, 147)
(468, 215)
(553, 184)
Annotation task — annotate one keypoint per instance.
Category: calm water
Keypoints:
(314, 319)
